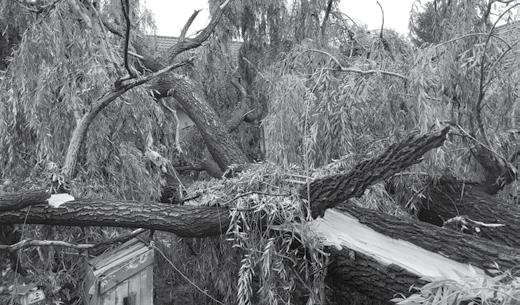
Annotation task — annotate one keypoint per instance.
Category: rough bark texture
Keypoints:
(448, 198)
(332, 190)
(498, 172)
(454, 245)
(21, 200)
(189, 221)
(364, 272)
(189, 94)
(353, 272)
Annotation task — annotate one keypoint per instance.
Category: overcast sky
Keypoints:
(170, 15)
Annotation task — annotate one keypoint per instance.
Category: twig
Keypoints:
(482, 89)
(471, 35)
(382, 20)
(125, 7)
(187, 44)
(493, 65)
(394, 74)
(467, 134)
(58, 243)
(183, 200)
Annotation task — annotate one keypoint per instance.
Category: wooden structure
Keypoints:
(123, 276)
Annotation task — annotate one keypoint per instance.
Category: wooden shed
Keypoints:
(123, 276)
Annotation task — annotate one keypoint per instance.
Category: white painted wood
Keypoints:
(342, 230)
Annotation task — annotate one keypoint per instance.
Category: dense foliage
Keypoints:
(335, 94)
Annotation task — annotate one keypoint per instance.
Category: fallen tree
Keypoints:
(373, 253)
(465, 207)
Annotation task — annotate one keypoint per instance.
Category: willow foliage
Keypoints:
(63, 64)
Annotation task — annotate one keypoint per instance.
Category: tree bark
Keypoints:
(21, 200)
(189, 94)
(186, 221)
(498, 172)
(354, 272)
(332, 190)
(380, 256)
(484, 215)
(384, 253)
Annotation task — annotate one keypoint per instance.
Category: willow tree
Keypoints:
(84, 70)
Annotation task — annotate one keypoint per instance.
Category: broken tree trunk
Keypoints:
(380, 255)
(330, 191)
(385, 253)
(479, 213)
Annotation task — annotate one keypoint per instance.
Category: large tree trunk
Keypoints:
(381, 255)
(330, 191)
(188, 221)
(377, 254)
(478, 213)
(224, 150)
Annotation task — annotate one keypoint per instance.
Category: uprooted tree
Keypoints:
(120, 102)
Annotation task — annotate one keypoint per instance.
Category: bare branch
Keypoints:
(324, 53)
(482, 89)
(125, 7)
(471, 35)
(188, 24)
(187, 44)
(368, 72)
(58, 243)
(382, 20)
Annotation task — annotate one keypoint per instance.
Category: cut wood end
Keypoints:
(58, 199)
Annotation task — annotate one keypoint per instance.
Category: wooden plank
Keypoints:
(109, 298)
(147, 286)
(134, 288)
(109, 257)
(121, 292)
(131, 243)
(114, 264)
(124, 271)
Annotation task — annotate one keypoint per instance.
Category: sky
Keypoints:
(171, 15)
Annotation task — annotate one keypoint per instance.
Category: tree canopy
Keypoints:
(333, 114)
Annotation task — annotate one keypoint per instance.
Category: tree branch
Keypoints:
(332, 190)
(482, 89)
(80, 132)
(382, 20)
(367, 72)
(186, 221)
(188, 24)
(18, 201)
(125, 7)
(57, 243)
(187, 44)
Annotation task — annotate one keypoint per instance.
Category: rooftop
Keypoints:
(162, 43)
